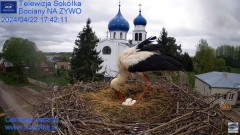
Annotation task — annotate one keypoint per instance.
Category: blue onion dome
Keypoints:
(140, 20)
(118, 23)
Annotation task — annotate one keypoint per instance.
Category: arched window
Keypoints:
(121, 35)
(136, 37)
(114, 35)
(140, 36)
(106, 50)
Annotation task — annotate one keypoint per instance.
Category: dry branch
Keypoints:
(186, 112)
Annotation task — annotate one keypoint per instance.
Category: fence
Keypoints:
(38, 83)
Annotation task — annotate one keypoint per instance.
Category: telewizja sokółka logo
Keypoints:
(8, 7)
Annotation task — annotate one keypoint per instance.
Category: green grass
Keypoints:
(35, 87)
(190, 79)
(2, 126)
(9, 81)
(235, 70)
(7, 78)
(53, 79)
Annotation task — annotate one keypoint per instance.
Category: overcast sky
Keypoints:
(217, 21)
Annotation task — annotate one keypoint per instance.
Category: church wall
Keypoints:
(109, 65)
(144, 36)
(139, 27)
(121, 47)
(109, 60)
(118, 35)
(118, 28)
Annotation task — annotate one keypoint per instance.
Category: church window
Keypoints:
(121, 35)
(136, 37)
(114, 35)
(106, 50)
(140, 36)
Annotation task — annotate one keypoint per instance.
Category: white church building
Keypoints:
(110, 47)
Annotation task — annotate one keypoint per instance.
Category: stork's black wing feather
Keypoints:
(152, 47)
(169, 62)
(157, 62)
(146, 42)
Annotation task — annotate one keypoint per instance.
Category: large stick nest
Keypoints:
(94, 109)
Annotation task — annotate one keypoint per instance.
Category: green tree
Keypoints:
(220, 65)
(187, 62)
(230, 53)
(220, 62)
(22, 53)
(169, 47)
(169, 44)
(205, 57)
(85, 61)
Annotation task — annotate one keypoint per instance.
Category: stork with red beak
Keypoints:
(141, 58)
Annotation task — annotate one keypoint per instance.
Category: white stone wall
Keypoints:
(117, 37)
(139, 29)
(223, 91)
(38, 83)
(204, 89)
(109, 64)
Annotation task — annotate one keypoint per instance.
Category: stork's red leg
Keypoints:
(119, 95)
(145, 89)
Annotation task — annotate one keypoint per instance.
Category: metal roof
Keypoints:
(6, 63)
(220, 79)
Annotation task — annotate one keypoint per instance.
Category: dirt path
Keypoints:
(17, 101)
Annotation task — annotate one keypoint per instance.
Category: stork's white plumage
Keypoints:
(141, 58)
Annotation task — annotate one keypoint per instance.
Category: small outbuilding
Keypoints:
(219, 83)
(6, 66)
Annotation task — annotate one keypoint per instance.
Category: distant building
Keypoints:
(219, 83)
(6, 66)
(111, 46)
(61, 63)
(57, 61)
(65, 65)
(46, 66)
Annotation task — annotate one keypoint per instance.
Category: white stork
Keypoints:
(141, 58)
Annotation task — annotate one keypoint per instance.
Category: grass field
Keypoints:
(7, 78)
(235, 70)
(53, 79)
(9, 81)
(190, 79)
